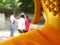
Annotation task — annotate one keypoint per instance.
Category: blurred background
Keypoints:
(18, 6)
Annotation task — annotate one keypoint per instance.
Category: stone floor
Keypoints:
(5, 34)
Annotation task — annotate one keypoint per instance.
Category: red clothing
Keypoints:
(27, 24)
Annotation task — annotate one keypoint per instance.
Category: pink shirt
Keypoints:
(27, 24)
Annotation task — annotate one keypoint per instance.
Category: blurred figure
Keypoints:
(12, 22)
(21, 23)
(27, 24)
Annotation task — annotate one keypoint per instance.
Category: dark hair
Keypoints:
(27, 17)
(12, 12)
(22, 16)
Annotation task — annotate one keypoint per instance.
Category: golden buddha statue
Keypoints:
(49, 34)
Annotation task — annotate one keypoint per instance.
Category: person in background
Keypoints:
(12, 22)
(27, 24)
(21, 23)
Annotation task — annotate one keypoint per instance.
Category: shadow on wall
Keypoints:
(42, 20)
